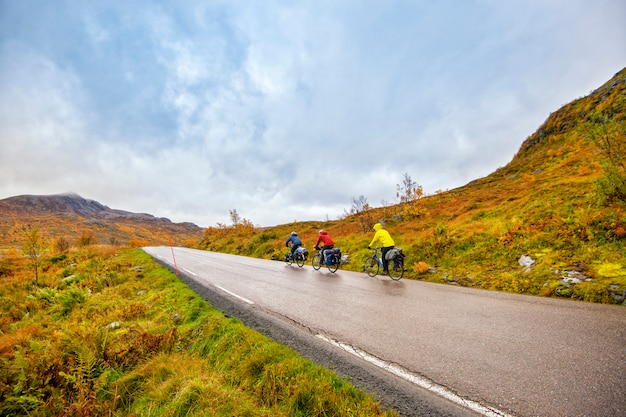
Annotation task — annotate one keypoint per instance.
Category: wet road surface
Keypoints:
(496, 353)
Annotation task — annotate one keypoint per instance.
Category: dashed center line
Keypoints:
(189, 272)
(245, 300)
(393, 368)
(417, 380)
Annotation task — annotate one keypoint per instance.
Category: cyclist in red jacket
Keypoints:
(326, 240)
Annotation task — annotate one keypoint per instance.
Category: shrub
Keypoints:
(420, 267)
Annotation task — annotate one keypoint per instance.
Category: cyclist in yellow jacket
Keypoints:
(383, 239)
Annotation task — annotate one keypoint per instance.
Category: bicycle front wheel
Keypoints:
(300, 260)
(317, 261)
(371, 267)
(396, 269)
(334, 264)
(288, 259)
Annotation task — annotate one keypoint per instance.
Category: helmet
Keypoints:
(322, 231)
(294, 234)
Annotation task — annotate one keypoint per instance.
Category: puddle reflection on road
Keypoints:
(393, 288)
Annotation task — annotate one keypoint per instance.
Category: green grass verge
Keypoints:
(110, 332)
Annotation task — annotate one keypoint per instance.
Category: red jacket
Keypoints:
(324, 238)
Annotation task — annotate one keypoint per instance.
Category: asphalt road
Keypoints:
(426, 349)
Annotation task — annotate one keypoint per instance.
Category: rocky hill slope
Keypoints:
(72, 216)
(552, 222)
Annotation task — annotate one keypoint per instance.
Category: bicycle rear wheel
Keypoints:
(300, 260)
(371, 266)
(334, 263)
(317, 261)
(396, 269)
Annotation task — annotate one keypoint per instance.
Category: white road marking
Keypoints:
(417, 380)
(245, 300)
(189, 272)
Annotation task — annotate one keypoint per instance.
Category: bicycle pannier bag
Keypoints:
(303, 251)
(393, 253)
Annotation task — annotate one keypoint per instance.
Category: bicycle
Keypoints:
(299, 256)
(332, 264)
(374, 263)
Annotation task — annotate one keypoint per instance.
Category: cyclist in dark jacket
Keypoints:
(295, 242)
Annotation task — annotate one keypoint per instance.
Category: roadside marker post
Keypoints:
(173, 257)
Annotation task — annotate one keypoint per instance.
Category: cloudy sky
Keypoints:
(189, 109)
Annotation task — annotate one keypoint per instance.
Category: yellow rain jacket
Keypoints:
(382, 238)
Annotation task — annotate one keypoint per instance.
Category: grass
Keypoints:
(478, 242)
(555, 202)
(107, 331)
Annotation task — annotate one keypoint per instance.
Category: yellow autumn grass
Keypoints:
(107, 331)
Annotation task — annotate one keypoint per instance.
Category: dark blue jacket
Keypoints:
(295, 240)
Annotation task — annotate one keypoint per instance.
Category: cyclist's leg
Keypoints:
(384, 253)
(326, 256)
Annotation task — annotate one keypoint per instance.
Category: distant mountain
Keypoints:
(70, 215)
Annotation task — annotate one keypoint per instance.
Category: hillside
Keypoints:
(72, 217)
(550, 204)
(552, 222)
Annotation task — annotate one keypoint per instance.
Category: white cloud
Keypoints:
(284, 112)
(42, 120)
